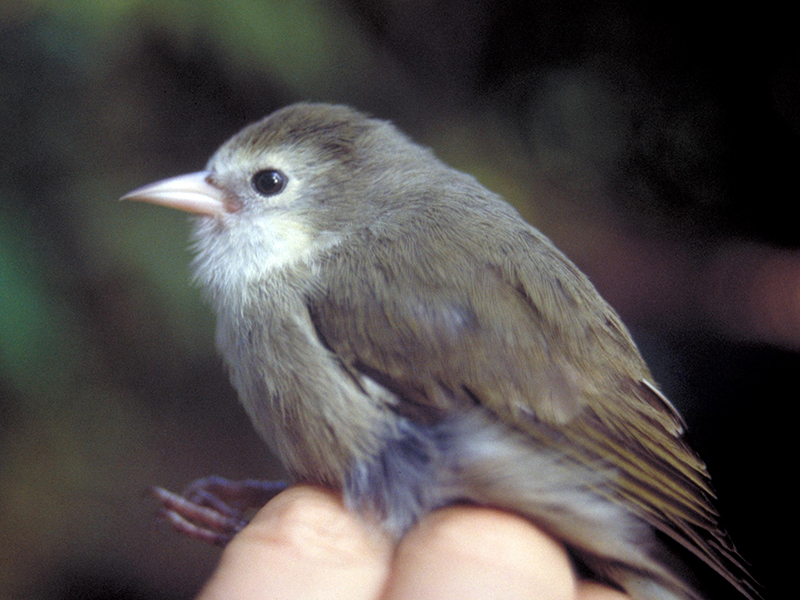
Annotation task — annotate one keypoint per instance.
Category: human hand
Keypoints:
(304, 544)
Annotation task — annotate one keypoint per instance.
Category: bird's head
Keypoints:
(288, 188)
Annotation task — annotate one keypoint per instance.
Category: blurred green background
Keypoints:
(657, 144)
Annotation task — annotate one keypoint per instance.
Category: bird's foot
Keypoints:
(213, 509)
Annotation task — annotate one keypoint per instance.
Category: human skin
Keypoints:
(304, 544)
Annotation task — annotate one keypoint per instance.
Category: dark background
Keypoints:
(657, 144)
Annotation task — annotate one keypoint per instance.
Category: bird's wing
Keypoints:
(506, 322)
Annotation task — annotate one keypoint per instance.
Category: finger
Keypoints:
(469, 552)
(303, 544)
(588, 590)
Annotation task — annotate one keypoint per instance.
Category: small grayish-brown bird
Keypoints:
(398, 332)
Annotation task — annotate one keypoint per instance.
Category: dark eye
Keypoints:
(269, 182)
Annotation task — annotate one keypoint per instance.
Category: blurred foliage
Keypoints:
(642, 138)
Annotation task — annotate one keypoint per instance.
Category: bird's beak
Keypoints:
(193, 193)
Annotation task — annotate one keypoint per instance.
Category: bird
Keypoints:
(398, 332)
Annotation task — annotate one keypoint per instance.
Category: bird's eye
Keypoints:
(269, 182)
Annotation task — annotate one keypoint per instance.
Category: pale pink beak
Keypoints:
(192, 193)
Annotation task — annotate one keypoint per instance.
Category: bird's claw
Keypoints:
(213, 509)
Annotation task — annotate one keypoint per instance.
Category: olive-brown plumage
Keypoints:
(397, 331)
